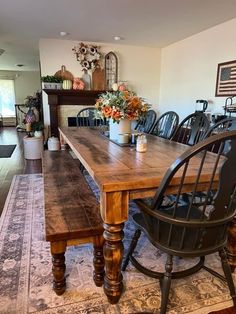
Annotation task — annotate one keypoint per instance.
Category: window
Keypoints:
(7, 98)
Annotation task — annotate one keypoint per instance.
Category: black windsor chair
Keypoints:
(146, 123)
(192, 129)
(166, 125)
(86, 118)
(192, 229)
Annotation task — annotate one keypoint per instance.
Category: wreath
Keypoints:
(87, 55)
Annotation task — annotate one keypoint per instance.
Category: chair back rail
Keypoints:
(192, 129)
(87, 118)
(227, 124)
(146, 123)
(166, 125)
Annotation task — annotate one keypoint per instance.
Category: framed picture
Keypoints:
(226, 79)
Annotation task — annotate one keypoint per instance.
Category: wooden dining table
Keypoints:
(123, 174)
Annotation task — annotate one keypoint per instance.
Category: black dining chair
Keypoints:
(146, 123)
(86, 117)
(227, 124)
(193, 229)
(192, 129)
(166, 125)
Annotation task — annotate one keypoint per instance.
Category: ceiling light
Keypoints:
(64, 34)
(117, 38)
(20, 65)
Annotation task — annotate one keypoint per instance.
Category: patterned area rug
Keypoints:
(26, 279)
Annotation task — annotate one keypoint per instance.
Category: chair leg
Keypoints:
(98, 261)
(165, 284)
(131, 249)
(58, 270)
(228, 275)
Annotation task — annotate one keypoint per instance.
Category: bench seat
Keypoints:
(72, 214)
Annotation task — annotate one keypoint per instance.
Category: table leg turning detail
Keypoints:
(113, 254)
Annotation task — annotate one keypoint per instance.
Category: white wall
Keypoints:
(189, 68)
(140, 66)
(26, 83)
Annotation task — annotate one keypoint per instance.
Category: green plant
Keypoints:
(37, 126)
(51, 79)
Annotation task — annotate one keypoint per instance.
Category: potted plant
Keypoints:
(37, 127)
(33, 114)
(52, 82)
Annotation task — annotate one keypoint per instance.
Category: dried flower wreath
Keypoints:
(87, 55)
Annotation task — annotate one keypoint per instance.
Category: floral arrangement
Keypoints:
(119, 105)
(87, 55)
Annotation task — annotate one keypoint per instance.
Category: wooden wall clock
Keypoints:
(111, 69)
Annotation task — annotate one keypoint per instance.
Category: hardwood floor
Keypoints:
(16, 164)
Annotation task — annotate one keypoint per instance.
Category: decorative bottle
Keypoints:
(87, 80)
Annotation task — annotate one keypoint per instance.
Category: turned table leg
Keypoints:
(231, 245)
(113, 253)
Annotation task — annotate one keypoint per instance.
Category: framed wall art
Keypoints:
(226, 79)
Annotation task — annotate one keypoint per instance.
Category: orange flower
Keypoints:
(131, 115)
(115, 115)
(106, 110)
(134, 103)
(126, 94)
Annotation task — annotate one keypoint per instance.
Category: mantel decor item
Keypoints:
(121, 107)
(87, 55)
(98, 79)
(51, 82)
(226, 79)
(67, 84)
(78, 84)
(64, 74)
(87, 80)
(111, 69)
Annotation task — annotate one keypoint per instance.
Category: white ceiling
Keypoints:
(154, 23)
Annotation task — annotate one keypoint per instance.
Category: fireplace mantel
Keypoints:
(58, 97)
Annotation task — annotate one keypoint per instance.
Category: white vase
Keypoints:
(115, 128)
(87, 80)
(38, 133)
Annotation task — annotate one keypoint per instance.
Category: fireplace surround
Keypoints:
(61, 97)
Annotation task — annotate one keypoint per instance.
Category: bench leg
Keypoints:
(58, 266)
(58, 270)
(98, 261)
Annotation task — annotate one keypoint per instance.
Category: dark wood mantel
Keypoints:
(58, 97)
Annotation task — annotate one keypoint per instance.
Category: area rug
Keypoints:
(6, 150)
(26, 279)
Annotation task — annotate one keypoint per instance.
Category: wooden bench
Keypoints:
(72, 215)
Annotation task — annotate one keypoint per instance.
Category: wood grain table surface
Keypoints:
(121, 174)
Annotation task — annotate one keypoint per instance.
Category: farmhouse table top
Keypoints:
(121, 174)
